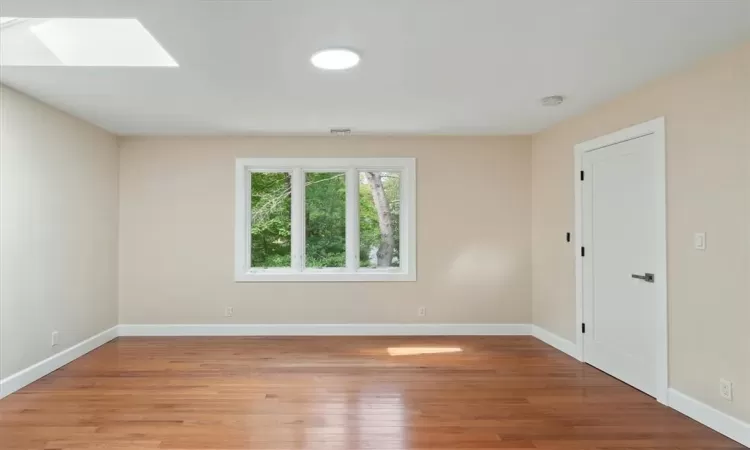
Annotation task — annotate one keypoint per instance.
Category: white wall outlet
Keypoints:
(699, 241)
(229, 311)
(422, 311)
(55, 338)
(725, 389)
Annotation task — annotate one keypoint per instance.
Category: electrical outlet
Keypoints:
(229, 311)
(422, 311)
(55, 338)
(725, 389)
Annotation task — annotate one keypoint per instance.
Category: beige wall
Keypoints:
(58, 222)
(177, 219)
(707, 110)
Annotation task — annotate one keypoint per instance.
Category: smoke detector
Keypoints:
(553, 100)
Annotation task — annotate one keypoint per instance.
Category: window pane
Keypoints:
(271, 223)
(379, 211)
(325, 219)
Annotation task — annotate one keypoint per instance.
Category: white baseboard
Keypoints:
(27, 376)
(556, 341)
(712, 418)
(326, 330)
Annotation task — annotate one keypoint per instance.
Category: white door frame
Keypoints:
(653, 127)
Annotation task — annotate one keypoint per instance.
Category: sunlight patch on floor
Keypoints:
(406, 351)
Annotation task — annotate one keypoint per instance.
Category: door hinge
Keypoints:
(582, 175)
(583, 251)
(567, 237)
(583, 328)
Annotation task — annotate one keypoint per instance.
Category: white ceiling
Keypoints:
(429, 66)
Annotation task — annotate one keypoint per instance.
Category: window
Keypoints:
(322, 219)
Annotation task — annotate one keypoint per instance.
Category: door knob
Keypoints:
(648, 277)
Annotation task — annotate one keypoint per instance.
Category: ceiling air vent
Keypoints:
(341, 131)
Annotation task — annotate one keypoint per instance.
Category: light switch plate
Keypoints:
(699, 240)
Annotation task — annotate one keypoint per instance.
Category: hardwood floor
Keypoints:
(339, 393)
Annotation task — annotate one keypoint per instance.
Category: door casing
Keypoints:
(655, 127)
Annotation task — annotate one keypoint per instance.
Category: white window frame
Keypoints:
(351, 166)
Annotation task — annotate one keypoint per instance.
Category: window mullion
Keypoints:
(352, 220)
(247, 231)
(405, 196)
(298, 219)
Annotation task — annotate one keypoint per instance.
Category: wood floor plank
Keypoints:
(349, 393)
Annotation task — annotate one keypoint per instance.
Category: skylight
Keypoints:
(100, 42)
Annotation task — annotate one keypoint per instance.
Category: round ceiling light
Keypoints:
(335, 59)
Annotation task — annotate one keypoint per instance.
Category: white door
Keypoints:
(620, 261)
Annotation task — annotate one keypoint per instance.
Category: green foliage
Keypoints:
(369, 227)
(271, 225)
(325, 219)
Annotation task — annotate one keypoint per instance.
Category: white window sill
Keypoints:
(323, 276)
